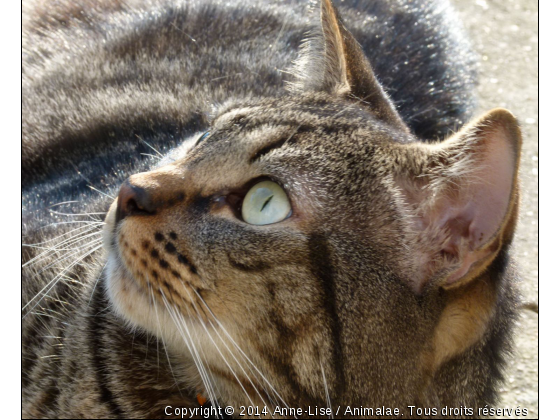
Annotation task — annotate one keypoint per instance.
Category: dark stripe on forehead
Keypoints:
(292, 136)
(290, 139)
(301, 125)
(267, 149)
(299, 117)
(321, 266)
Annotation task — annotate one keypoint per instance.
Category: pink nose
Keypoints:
(134, 200)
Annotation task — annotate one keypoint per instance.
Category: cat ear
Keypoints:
(462, 200)
(334, 62)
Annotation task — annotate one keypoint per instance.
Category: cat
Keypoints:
(330, 234)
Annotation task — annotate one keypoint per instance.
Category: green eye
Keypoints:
(265, 203)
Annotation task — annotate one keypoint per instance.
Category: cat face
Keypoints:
(181, 247)
(372, 264)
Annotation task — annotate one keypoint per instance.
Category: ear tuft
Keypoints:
(333, 62)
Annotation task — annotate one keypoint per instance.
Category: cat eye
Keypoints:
(265, 203)
(202, 137)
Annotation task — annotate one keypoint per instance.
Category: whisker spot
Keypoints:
(169, 247)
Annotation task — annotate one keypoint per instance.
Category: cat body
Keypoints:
(387, 284)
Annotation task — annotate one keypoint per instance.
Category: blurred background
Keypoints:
(505, 35)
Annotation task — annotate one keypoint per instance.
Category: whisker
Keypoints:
(100, 192)
(210, 378)
(149, 145)
(87, 225)
(72, 222)
(327, 391)
(192, 349)
(56, 278)
(163, 342)
(91, 230)
(227, 363)
(183, 32)
(49, 250)
(61, 274)
(149, 155)
(212, 394)
(68, 255)
(63, 202)
(97, 281)
(257, 370)
(241, 351)
(190, 345)
(76, 214)
(232, 355)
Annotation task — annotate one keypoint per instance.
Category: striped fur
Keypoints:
(346, 302)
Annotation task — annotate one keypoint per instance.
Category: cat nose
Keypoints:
(134, 200)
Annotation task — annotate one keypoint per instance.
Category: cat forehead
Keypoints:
(330, 118)
(314, 108)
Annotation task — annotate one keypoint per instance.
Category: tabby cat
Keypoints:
(240, 204)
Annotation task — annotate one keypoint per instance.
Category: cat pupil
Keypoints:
(266, 202)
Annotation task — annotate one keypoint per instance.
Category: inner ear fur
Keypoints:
(462, 197)
(333, 62)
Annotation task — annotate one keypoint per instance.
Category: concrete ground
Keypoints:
(505, 35)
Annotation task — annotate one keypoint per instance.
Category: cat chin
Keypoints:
(218, 344)
(130, 301)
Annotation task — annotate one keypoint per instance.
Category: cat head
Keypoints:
(311, 243)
